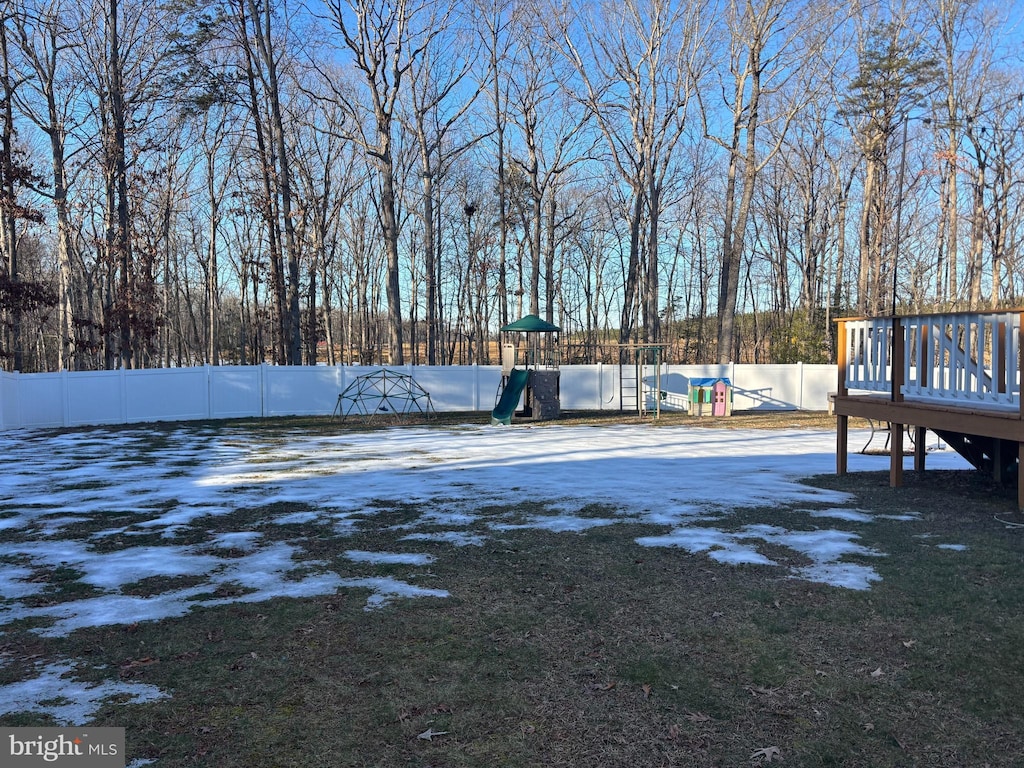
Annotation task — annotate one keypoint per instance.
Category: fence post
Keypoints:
(122, 378)
(800, 386)
(65, 398)
(263, 389)
(209, 390)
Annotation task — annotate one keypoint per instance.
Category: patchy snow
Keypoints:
(55, 692)
(850, 515)
(458, 538)
(384, 590)
(564, 523)
(114, 511)
(953, 547)
(389, 558)
(825, 548)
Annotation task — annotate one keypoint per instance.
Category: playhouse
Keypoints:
(529, 372)
(710, 397)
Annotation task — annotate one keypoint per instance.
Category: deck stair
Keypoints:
(984, 453)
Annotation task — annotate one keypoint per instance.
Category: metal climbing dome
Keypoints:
(383, 393)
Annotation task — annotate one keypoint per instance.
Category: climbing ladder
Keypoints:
(629, 382)
(632, 363)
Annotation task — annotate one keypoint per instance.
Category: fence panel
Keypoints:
(458, 387)
(177, 394)
(588, 387)
(10, 401)
(166, 394)
(305, 390)
(46, 407)
(93, 397)
(236, 391)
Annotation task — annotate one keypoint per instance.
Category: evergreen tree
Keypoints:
(894, 75)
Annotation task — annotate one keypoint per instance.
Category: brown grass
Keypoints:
(585, 650)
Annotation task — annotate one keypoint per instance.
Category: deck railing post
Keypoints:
(898, 363)
(1000, 352)
(1014, 374)
(842, 422)
(925, 357)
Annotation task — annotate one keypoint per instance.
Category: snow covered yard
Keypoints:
(145, 524)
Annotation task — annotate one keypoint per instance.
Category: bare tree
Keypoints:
(439, 97)
(552, 140)
(498, 21)
(327, 177)
(220, 153)
(44, 36)
(240, 52)
(256, 34)
(385, 40)
(122, 61)
(770, 44)
(1000, 157)
(637, 63)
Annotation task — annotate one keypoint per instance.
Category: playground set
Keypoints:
(529, 389)
(529, 372)
(641, 387)
(383, 393)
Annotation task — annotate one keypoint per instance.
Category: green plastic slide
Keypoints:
(502, 413)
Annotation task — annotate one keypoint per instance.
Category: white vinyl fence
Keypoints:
(68, 399)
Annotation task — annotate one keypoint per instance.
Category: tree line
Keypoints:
(391, 181)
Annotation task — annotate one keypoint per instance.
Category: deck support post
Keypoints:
(920, 450)
(998, 461)
(1020, 476)
(896, 455)
(842, 443)
(842, 421)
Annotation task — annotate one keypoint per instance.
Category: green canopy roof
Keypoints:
(530, 324)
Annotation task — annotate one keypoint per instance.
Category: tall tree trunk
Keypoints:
(8, 218)
(389, 223)
(550, 282)
(867, 226)
(630, 277)
(652, 321)
(536, 229)
(429, 266)
(119, 224)
(735, 230)
(212, 287)
(952, 214)
(292, 324)
(978, 245)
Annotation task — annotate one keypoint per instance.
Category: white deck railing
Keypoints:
(968, 359)
(869, 344)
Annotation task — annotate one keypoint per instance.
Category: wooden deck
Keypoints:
(957, 374)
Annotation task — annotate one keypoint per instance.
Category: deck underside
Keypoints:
(1005, 425)
(991, 440)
